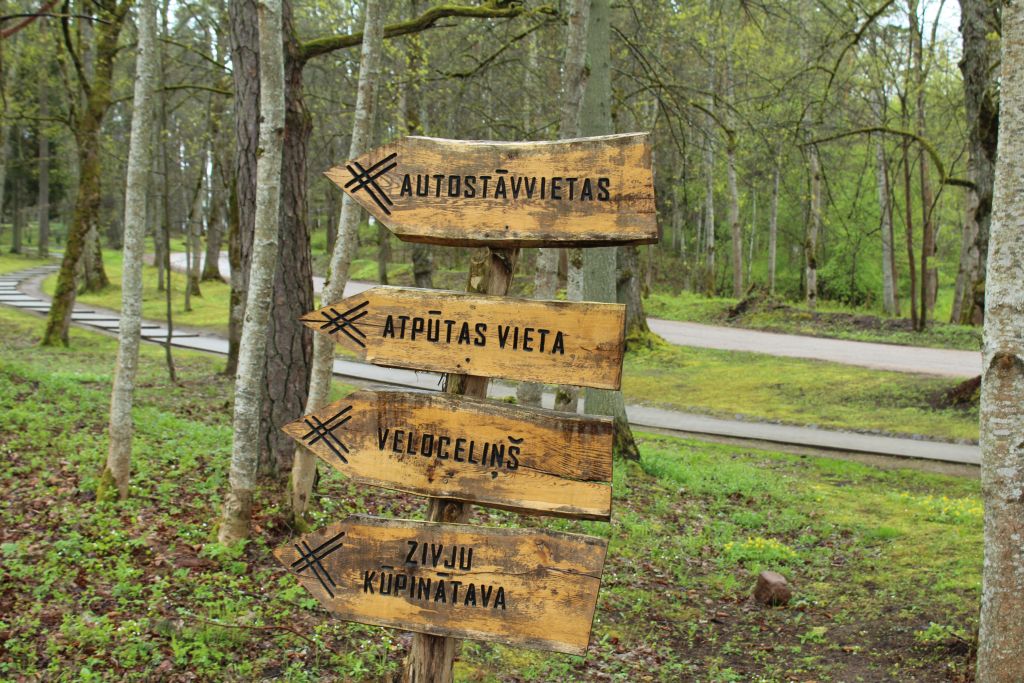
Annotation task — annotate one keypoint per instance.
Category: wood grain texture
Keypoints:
(524, 459)
(376, 571)
(557, 342)
(582, 192)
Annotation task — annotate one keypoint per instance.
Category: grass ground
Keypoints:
(12, 262)
(829, 320)
(753, 386)
(885, 564)
(209, 310)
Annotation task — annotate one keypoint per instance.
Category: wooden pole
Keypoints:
(430, 659)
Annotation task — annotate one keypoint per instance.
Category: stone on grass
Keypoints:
(772, 589)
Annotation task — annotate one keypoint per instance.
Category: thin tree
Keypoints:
(1001, 636)
(237, 510)
(599, 264)
(86, 120)
(304, 466)
(140, 156)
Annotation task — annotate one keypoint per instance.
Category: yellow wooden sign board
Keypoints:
(514, 586)
(583, 192)
(558, 342)
(523, 459)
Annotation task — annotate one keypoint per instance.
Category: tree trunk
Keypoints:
(249, 380)
(430, 657)
(545, 284)
(290, 347)
(17, 210)
(88, 126)
(118, 464)
(929, 271)
(215, 224)
(422, 258)
(908, 208)
(813, 229)
(194, 237)
(383, 252)
(978, 20)
(43, 196)
(885, 210)
(709, 192)
(773, 226)
(246, 74)
(967, 272)
(304, 468)
(1001, 635)
(735, 228)
(599, 262)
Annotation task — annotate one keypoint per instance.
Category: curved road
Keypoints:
(913, 359)
(23, 290)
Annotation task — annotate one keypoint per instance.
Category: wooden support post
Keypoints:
(430, 659)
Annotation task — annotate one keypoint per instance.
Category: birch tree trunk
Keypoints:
(709, 190)
(813, 229)
(43, 196)
(140, 157)
(773, 226)
(735, 228)
(1001, 636)
(245, 71)
(599, 262)
(885, 209)
(237, 510)
(304, 467)
(574, 84)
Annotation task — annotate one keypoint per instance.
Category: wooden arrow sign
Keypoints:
(514, 586)
(584, 192)
(524, 459)
(558, 342)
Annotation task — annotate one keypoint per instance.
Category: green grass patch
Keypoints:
(208, 311)
(10, 263)
(885, 565)
(828, 320)
(760, 387)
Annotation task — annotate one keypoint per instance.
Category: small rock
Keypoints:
(772, 589)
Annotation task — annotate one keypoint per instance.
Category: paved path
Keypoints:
(912, 359)
(23, 290)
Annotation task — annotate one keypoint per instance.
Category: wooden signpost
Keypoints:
(524, 459)
(513, 586)
(442, 580)
(586, 192)
(488, 336)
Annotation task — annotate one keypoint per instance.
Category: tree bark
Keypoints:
(813, 229)
(773, 226)
(885, 210)
(290, 345)
(97, 92)
(1001, 635)
(194, 237)
(709, 192)
(908, 212)
(140, 154)
(929, 271)
(218, 182)
(43, 195)
(246, 74)
(575, 75)
(304, 468)
(978, 20)
(249, 380)
(599, 263)
(735, 228)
